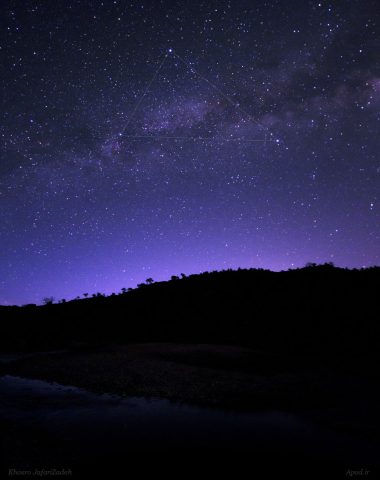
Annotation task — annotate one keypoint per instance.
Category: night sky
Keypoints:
(256, 144)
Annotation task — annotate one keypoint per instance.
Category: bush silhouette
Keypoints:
(318, 308)
(48, 300)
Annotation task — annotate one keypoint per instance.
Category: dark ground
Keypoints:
(214, 375)
(305, 342)
(343, 397)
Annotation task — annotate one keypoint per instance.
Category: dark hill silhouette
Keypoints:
(316, 309)
(304, 343)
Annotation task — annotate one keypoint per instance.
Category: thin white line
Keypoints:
(226, 97)
(145, 91)
(171, 137)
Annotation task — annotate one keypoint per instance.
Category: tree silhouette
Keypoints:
(149, 280)
(310, 265)
(48, 300)
(335, 291)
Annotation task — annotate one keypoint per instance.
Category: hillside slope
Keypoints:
(314, 309)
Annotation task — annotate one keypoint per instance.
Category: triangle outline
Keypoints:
(170, 52)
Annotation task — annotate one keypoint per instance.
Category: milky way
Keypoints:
(256, 143)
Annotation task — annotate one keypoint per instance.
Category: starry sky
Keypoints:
(152, 138)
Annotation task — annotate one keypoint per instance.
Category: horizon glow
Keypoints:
(88, 203)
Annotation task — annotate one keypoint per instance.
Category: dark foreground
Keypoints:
(241, 373)
(230, 407)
